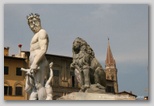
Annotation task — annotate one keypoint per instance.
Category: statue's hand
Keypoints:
(28, 71)
(34, 67)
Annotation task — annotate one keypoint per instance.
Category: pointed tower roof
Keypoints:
(109, 57)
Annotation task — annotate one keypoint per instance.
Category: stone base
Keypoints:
(96, 88)
(95, 96)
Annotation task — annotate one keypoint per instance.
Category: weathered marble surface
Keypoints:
(96, 88)
(95, 96)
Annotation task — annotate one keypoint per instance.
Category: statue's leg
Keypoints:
(96, 75)
(40, 82)
(48, 87)
(42, 93)
(29, 84)
(49, 92)
(86, 78)
(82, 82)
(33, 95)
(100, 77)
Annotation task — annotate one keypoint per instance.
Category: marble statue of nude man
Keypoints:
(39, 65)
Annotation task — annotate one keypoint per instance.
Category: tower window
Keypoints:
(110, 89)
(112, 77)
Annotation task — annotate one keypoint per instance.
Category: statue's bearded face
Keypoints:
(34, 24)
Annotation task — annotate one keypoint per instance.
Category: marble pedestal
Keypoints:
(95, 96)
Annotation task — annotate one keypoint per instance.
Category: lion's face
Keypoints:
(76, 45)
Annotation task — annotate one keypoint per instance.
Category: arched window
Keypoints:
(7, 88)
(18, 89)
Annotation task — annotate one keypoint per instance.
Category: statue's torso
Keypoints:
(35, 48)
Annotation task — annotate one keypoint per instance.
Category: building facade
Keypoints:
(63, 82)
(14, 78)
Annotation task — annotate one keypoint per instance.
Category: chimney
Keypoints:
(20, 45)
(6, 51)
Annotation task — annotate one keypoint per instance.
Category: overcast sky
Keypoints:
(126, 25)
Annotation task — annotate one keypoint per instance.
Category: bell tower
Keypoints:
(111, 71)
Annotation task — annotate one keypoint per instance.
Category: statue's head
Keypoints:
(76, 44)
(81, 45)
(34, 22)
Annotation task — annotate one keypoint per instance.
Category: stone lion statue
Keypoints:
(88, 70)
